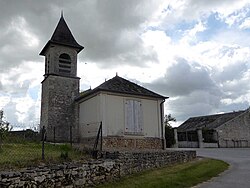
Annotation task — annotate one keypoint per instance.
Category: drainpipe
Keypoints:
(162, 126)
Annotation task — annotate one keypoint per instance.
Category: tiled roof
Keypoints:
(209, 122)
(121, 85)
(62, 35)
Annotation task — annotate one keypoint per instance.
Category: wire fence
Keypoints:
(91, 137)
(28, 147)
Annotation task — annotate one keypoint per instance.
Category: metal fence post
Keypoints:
(1, 140)
(101, 137)
(43, 139)
(70, 136)
(54, 135)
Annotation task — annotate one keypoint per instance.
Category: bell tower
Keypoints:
(60, 87)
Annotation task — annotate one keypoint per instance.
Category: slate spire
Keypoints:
(62, 35)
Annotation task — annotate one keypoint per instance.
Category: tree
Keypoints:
(169, 131)
(4, 127)
(167, 119)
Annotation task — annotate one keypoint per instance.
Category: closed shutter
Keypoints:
(133, 117)
(129, 116)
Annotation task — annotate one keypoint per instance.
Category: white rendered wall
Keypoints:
(115, 116)
(110, 109)
(89, 117)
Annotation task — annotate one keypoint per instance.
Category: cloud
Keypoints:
(245, 24)
(234, 71)
(195, 104)
(108, 32)
(18, 45)
(196, 90)
(186, 12)
(182, 79)
(113, 39)
(196, 52)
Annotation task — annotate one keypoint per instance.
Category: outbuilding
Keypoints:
(219, 130)
(128, 115)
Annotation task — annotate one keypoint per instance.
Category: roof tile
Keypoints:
(62, 35)
(121, 85)
(209, 122)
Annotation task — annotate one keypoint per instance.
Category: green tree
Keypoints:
(4, 127)
(169, 131)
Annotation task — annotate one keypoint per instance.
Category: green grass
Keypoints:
(176, 176)
(17, 155)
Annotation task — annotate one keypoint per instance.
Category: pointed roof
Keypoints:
(62, 35)
(120, 85)
(209, 122)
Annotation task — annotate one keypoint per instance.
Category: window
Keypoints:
(133, 117)
(64, 63)
(47, 64)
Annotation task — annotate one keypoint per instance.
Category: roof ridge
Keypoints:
(121, 85)
(218, 114)
(243, 112)
(209, 121)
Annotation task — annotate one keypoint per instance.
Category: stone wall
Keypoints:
(132, 143)
(93, 172)
(131, 162)
(236, 132)
(119, 142)
(58, 109)
(188, 144)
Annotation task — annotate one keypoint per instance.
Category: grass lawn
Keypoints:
(17, 155)
(176, 176)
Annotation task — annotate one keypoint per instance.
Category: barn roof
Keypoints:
(120, 85)
(209, 122)
(62, 35)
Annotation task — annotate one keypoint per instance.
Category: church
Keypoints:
(125, 114)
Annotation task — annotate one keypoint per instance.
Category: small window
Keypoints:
(133, 117)
(47, 64)
(64, 63)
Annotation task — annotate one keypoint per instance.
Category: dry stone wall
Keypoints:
(93, 172)
(132, 143)
(236, 132)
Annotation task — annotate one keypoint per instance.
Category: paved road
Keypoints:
(238, 175)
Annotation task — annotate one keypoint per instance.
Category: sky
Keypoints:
(195, 52)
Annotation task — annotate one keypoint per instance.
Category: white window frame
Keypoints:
(133, 117)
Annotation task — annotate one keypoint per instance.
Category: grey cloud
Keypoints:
(109, 30)
(231, 72)
(235, 89)
(13, 52)
(14, 88)
(194, 91)
(191, 89)
(234, 106)
(182, 79)
(195, 104)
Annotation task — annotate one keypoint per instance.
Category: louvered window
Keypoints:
(64, 63)
(133, 117)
